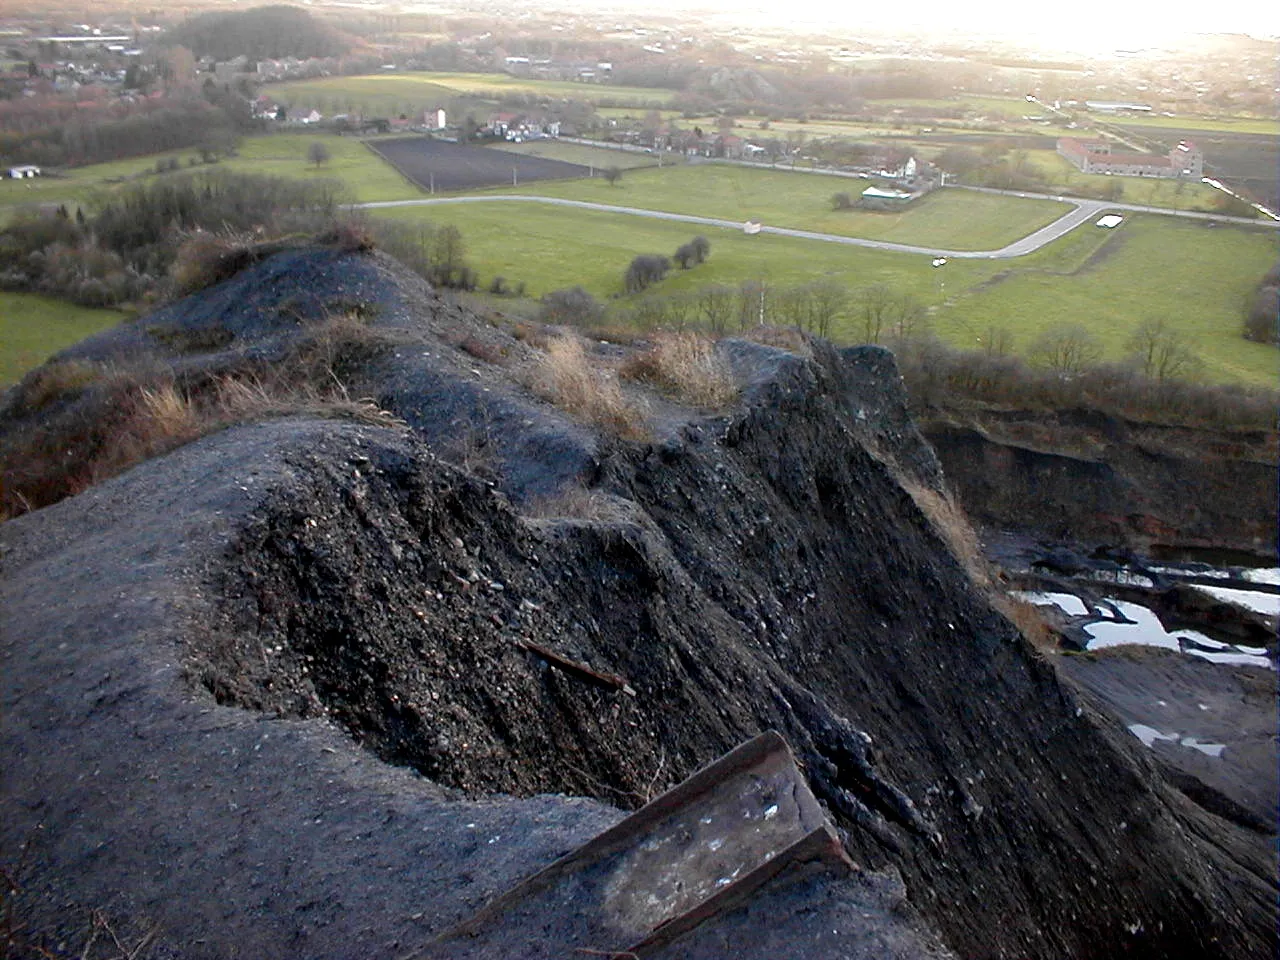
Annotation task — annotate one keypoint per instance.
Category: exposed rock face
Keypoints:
(1092, 478)
(226, 606)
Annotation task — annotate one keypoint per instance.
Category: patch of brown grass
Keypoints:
(206, 258)
(1028, 620)
(565, 377)
(784, 338)
(60, 380)
(686, 366)
(90, 422)
(575, 502)
(952, 525)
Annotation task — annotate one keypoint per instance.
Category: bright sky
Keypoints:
(1087, 25)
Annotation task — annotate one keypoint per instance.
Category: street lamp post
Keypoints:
(938, 263)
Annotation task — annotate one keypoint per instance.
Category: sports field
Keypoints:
(952, 219)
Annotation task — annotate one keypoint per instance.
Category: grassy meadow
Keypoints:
(33, 328)
(366, 176)
(951, 219)
(1195, 275)
(391, 94)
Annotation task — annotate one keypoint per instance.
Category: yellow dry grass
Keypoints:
(565, 376)
(686, 366)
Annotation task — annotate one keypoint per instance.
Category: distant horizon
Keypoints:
(1095, 27)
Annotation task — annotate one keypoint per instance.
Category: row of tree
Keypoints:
(872, 314)
(124, 249)
(648, 269)
(98, 137)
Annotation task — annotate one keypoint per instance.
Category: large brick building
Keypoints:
(1184, 161)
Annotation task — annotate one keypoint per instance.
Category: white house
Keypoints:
(436, 118)
(24, 172)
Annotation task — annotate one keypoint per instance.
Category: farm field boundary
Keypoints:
(440, 165)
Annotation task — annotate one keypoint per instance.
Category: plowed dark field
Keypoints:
(1243, 161)
(442, 166)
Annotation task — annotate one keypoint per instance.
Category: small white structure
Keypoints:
(24, 172)
(751, 228)
(1110, 220)
(437, 118)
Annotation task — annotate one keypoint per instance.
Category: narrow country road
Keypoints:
(1082, 211)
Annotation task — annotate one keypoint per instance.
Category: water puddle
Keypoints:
(1149, 736)
(1144, 627)
(1267, 603)
(1067, 602)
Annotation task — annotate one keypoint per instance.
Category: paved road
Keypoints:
(1135, 207)
(1081, 211)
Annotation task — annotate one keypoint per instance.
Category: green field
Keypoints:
(366, 176)
(1196, 276)
(598, 157)
(396, 93)
(1151, 191)
(1255, 125)
(952, 219)
(33, 328)
(553, 247)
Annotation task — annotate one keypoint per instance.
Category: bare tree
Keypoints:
(612, 175)
(572, 305)
(645, 270)
(1066, 348)
(997, 342)
(885, 315)
(872, 307)
(908, 318)
(791, 307)
(717, 305)
(827, 301)
(1161, 352)
(755, 303)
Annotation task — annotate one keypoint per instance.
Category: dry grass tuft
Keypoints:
(784, 338)
(206, 258)
(952, 525)
(1028, 620)
(90, 422)
(60, 380)
(576, 502)
(349, 236)
(686, 366)
(565, 376)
